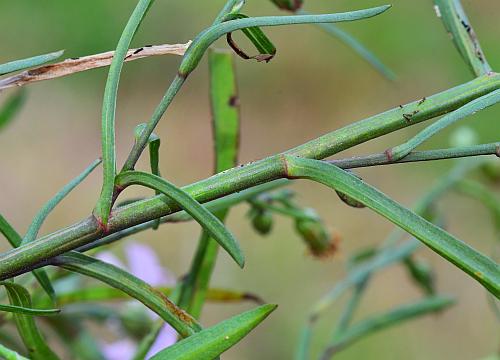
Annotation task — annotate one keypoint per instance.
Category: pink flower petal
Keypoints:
(119, 350)
(144, 264)
(166, 337)
(110, 258)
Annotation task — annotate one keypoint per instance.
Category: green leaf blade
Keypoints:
(9, 354)
(11, 108)
(103, 206)
(457, 24)
(202, 42)
(211, 342)
(27, 63)
(204, 217)
(477, 265)
(26, 325)
(182, 322)
(28, 311)
(47, 208)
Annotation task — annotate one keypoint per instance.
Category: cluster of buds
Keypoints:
(262, 220)
(320, 241)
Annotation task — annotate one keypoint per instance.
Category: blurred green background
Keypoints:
(314, 85)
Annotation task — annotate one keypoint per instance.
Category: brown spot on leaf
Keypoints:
(234, 101)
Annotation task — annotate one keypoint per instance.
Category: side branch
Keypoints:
(29, 256)
(417, 156)
(76, 65)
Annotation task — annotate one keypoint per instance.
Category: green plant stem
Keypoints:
(202, 42)
(457, 24)
(205, 218)
(27, 257)
(388, 254)
(142, 141)
(227, 9)
(352, 305)
(478, 266)
(213, 206)
(400, 151)
(226, 133)
(416, 156)
(47, 208)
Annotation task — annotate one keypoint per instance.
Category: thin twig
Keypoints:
(414, 156)
(75, 65)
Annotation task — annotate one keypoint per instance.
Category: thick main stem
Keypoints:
(27, 257)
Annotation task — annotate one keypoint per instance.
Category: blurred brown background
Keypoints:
(313, 86)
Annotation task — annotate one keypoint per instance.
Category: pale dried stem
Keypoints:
(75, 65)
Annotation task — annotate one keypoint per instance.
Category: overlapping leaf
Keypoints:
(210, 343)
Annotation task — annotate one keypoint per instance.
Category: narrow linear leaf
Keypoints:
(211, 342)
(145, 345)
(9, 354)
(457, 24)
(400, 151)
(231, 7)
(28, 311)
(103, 206)
(357, 275)
(131, 285)
(356, 46)
(26, 325)
(12, 107)
(477, 265)
(386, 320)
(102, 293)
(15, 241)
(27, 63)
(204, 217)
(224, 103)
(182, 216)
(266, 48)
(355, 278)
(47, 208)
(202, 42)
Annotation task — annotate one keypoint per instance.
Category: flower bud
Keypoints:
(291, 5)
(262, 222)
(319, 241)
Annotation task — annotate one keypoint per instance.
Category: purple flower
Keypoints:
(143, 263)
